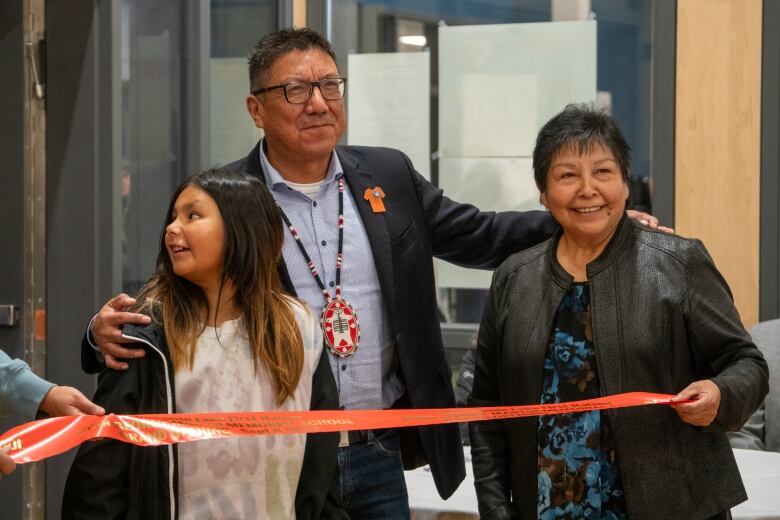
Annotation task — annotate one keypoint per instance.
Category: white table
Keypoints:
(760, 472)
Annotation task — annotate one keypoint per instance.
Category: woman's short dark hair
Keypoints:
(278, 43)
(582, 128)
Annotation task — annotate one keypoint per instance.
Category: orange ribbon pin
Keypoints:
(374, 196)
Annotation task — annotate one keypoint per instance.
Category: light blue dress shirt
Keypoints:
(21, 391)
(369, 378)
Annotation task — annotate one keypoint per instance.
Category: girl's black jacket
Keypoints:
(112, 479)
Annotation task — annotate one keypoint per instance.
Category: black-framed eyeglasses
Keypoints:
(297, 92)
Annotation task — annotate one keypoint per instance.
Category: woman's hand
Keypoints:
(706, 399)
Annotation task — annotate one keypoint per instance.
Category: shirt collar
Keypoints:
(274, 179)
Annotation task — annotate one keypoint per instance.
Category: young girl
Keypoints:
(223, 337)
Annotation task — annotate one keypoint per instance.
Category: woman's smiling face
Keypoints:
(586, 193)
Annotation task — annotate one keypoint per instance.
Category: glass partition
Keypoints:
(160, 62)
(621, 76)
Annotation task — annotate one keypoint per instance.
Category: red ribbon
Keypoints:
(42, 439)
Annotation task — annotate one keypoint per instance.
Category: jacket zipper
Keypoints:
(169, 399)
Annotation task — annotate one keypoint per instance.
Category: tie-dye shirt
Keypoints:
(578, 471)
(241, 478)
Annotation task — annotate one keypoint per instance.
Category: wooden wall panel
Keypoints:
(717, 137)
(299, 13)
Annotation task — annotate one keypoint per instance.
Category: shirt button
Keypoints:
(324, 243)
(343, 367)
(315, 203)
(331, 284)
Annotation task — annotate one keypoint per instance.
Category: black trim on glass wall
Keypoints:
(769, 237)
(195, 127)
(316, 17)
(662, 116)
(284, 8)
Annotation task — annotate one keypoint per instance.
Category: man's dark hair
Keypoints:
(582, 128)
(278, 43)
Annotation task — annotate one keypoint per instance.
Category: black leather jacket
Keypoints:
(662, 317)
(112, 479)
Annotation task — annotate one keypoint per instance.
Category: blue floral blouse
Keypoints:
(578, 470)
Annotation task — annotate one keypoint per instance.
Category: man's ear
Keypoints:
(256, 111)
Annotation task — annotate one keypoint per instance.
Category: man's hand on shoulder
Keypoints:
(106, 330)
(65, 400)
(647, 220)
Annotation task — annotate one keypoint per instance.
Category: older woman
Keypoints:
(608, 306)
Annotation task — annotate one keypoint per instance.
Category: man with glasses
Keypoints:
(364, 227)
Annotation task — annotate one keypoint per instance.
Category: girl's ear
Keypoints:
(543, 200)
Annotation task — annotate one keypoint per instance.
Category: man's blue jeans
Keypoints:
(372, 479)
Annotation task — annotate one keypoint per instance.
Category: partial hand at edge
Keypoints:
(648, 220)
(107, 331)
(704, 408)
(7, 465)
(66, 400)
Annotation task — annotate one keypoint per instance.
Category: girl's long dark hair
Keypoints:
(253, 248)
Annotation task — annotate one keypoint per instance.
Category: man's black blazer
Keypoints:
(418, 224)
